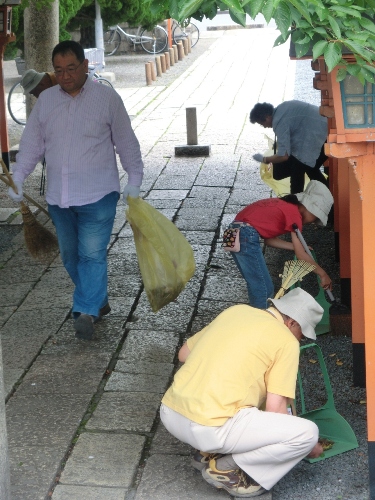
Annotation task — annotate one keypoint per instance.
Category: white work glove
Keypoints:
(258, 157)
(132, 191)
(16, 196)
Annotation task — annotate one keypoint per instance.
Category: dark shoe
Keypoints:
(235, 482)
(200, 459)
(84, 327)
(105, 310)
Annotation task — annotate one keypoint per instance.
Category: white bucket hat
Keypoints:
(303, 308)
(30, 80)
(318, 200)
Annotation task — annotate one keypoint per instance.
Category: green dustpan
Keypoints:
(324, 325)
(331, 424)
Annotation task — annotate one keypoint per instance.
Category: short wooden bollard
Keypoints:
(185, 43)
(153, 71)
(148, 73)
(171, 56)
(175, 50)
(162, 61)
(167, 60)
(158, 66)
(189, 42)
(181, 52)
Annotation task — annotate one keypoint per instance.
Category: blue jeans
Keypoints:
(250, 261)
(83, 233)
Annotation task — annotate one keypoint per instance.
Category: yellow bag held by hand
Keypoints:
(165, 257)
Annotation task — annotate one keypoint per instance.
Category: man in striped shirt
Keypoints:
(79, 126)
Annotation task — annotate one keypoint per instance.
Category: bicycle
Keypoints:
(152, 41)
(17, 99)
(183, 30)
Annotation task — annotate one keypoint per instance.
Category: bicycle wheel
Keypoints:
(155, 40)
(17, 104)
(179, 33)
(112, 40)
(103, 81)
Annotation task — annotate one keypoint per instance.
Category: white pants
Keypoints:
(265, 445)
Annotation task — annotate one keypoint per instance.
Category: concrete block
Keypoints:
(151, 346)
(192, 150)
(104, 460)
(164, 443)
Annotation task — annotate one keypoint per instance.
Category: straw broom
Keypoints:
(294, 270)
(40, 242)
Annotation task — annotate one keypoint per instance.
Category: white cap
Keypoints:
(318, 200)
(303, 308)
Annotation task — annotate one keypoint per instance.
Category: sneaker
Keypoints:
(235, 482)
(84, 327)
(200, 459)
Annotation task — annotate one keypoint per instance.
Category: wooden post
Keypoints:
(189, 42)
(153, 71)
(191, 126)
(158, 66)
(162, 61)
(180, 51)
(185, 44)
(175, 50)
(167, 60)
(171, 56)
(148, 73)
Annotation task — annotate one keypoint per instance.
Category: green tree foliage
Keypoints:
(328, 28)
(81, 13)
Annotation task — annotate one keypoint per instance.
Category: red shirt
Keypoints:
(271, 217)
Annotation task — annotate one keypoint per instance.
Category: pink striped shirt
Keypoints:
(79, 137)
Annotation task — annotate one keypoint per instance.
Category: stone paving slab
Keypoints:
(151, 346)
(32, 470)
(104, 460)
(130, 411)
(76, 373)
(44, 420)
(173, 478)
(68, 492)
(142, 382)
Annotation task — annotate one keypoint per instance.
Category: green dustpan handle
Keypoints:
(330, 402)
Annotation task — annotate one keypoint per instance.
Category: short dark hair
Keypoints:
(291, 198)
(260, 112)
(67, 46)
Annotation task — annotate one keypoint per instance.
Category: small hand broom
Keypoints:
(294, 270)
(40, 242)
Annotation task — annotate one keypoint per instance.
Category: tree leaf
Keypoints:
(267, 10)
(319, 48)
(253, 7)
(335, 27)
(301, 49)
(367, 24)
(345, 11)
(353, 69)
(368, 75)
(332, 55)
(341, 74)
(238, 17)
(283, 18)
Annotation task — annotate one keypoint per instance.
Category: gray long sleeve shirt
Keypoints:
(300, 130)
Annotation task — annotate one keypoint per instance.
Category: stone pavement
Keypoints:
(82, 417)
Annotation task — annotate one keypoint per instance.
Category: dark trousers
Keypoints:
(296, 170)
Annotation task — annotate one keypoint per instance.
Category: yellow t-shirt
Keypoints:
(234, 361)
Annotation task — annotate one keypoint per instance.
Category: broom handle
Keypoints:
(307, 250)
(9, 182)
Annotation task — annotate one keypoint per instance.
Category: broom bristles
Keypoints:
(294, 270)
(40, 242)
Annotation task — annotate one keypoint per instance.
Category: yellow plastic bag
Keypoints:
(281, 187)
(165, 257)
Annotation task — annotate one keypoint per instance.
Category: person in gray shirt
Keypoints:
(300, 133)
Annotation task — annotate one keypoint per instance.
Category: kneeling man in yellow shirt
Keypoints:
(244, 360)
